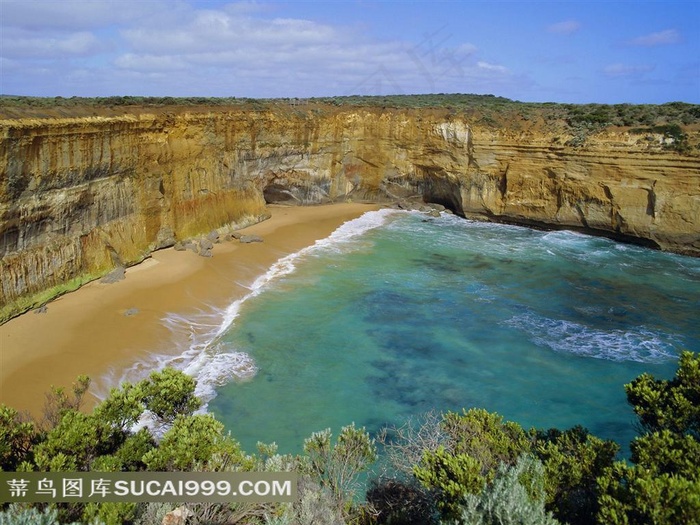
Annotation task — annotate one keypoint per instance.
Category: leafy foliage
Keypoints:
(191, 443)
(663, 484)
(486, 110)
(18, 515)
(337, 466)
(468, 467)
(477, 443)
(515, 497)
(573, 460)
(17, 438)
(673, 405)
(169, 394)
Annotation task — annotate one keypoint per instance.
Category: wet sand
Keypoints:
(88, 331)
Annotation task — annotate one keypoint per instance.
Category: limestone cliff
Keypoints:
(80, 195)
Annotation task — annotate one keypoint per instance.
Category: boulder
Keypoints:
(250, 238)
(205, 247)
(177, 517)
(116, 275)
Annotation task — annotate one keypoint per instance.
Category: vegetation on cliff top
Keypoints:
(456, 468)
(491, 109)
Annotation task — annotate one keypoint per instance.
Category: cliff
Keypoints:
(81, 194)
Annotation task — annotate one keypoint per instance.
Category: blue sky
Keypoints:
(560, 51)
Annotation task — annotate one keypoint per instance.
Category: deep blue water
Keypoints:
(398, 314)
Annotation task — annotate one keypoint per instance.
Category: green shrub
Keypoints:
(515, 497)
(663, 483)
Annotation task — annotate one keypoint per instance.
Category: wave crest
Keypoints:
(639, 344)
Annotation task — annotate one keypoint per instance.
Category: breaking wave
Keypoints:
(638, 344)
(210, 360)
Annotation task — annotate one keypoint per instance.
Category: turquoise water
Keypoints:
(400, 314)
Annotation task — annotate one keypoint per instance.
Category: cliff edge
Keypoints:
(83, 191)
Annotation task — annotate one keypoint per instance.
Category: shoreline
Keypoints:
(102, 329)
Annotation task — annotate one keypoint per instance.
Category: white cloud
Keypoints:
(236, 45)
(29, 44)
(626, 70)
(134, 62)
(77, 15)
(566, 27)
(240, 49)
(669, 36)
(491, 67)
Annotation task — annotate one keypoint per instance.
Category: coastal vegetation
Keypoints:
(487, 110)
(452, 468)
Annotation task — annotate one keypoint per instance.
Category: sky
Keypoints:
(573, 51)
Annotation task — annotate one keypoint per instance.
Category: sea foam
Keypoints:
(201, 353)
(639, 343)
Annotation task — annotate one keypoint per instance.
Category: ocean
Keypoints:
(397, 314)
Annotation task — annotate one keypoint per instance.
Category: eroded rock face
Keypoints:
(81, 196)
(613, 186)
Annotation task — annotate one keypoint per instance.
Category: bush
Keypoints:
(398, 502)
(516, 497)
(663, 484)
(18, 515)
(573, 461)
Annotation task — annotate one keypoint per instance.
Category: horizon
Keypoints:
(568, 52)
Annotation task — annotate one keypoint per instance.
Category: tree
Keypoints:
(191, 443)
(450, 476)
(476, 443)
(673, 405)
(336, 467)
(573, 460)
(58, 402)
(168, 394)
(17, 437)
(663, 484)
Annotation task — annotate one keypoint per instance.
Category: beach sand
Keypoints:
(88, 331)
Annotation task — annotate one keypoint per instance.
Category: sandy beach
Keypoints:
(89, 331)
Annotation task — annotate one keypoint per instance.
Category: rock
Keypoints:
(205, 247)
(41, 310)
(250, 238)
(179, 246)
(192, 246)
(131, 312)
(214, 237)
(164, 239)
(116, 275)
(77, 191)
(177, 517)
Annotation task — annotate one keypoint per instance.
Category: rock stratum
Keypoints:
(81, 194)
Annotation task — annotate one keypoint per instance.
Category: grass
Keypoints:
(26, 303)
